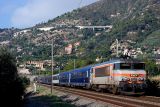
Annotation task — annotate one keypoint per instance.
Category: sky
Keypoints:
(27, 13)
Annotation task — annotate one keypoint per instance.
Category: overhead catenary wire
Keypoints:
(80, 4)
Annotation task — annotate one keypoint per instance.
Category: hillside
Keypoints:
(135, 23)
(6, 35)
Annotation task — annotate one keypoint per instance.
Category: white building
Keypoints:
(45, 28)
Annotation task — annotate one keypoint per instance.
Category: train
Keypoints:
(116, 76)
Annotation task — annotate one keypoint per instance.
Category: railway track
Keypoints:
(123, 101)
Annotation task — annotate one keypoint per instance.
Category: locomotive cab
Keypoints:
(131, 77)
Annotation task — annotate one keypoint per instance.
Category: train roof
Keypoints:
(120, 60)
(56, 75)
(82, 69)
(116, 60)
(78, 69)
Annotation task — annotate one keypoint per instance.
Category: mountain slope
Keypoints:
(135, 20)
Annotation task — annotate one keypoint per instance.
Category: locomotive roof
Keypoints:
(120, 60)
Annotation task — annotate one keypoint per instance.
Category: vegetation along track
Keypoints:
(109, 98)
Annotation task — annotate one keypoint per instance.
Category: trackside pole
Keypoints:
(52, 70)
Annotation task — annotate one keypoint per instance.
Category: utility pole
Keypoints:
(59, 69)
(39, 76)
(74, 64)
(52, 69)
(117, 48)
(80, 3)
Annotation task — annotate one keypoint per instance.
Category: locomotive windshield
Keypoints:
(137, 66)
(125, 65)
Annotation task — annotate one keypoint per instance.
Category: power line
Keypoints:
(80, 3)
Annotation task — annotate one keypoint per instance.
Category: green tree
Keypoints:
(151, 68)
(12, 87)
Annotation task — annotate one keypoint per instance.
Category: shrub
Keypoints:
(152, 87)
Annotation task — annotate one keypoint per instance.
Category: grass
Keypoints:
(43, 98)
(50, 101)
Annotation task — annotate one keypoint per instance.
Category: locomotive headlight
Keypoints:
(141, 79)
(125, 79)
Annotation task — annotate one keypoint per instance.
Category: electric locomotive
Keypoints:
(125, 76)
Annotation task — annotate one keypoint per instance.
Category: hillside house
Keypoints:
(68, 49)
(37, 64)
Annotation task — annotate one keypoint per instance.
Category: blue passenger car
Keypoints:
(45, 79)
(80, 77)
(64, 78)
